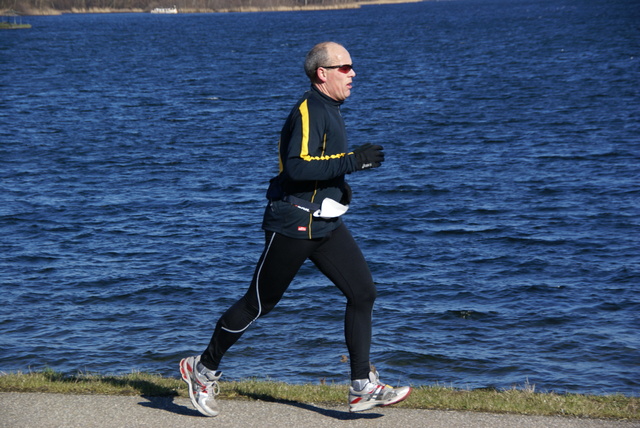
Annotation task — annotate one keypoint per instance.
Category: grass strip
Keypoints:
(518, 401)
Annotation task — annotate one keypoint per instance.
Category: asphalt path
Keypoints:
(27, 410)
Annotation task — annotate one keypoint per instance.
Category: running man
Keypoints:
(303, 221)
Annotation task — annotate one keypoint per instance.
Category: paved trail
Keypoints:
(26, 410)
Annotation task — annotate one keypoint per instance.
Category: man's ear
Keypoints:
(321, 75)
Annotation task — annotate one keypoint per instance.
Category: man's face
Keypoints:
(338, 84)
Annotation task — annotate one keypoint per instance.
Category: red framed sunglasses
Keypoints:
(344, 68)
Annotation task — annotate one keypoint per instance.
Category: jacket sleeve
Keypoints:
(315, 152)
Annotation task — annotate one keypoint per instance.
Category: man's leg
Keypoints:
(341, 260)
(278, 265)
(280, 260)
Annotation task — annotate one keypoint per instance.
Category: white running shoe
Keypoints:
(375, 394)
(203, 386)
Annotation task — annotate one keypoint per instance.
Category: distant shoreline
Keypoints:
(353, 5)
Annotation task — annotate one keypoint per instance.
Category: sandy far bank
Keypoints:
(354, 5)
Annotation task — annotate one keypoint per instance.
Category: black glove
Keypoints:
(368, 156)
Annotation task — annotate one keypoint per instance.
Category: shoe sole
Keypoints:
(184, 371)
(369, 405)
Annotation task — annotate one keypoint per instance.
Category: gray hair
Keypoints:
(317, 57)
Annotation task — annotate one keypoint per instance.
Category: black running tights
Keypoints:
(338, 257)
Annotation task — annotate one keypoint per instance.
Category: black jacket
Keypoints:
(313, 161)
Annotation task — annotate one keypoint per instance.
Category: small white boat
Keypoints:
(165, 10)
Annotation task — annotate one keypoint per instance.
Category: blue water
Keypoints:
(502, 231)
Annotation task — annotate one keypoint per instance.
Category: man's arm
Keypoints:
(309, 156)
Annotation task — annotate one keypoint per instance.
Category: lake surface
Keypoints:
(503, 231)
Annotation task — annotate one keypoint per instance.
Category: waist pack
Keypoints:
(327, 209)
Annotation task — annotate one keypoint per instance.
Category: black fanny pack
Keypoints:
(327, 209)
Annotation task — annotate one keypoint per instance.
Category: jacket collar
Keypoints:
(324, 97)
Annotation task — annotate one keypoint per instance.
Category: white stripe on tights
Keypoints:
(257, 289)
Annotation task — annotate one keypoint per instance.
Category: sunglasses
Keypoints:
(344, 68)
